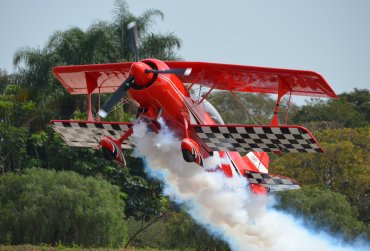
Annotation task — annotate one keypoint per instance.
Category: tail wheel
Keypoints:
(108, 155)
(188, 157)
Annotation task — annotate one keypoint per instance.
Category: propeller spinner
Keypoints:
(140, 74)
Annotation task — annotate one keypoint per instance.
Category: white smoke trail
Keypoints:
(223, 205)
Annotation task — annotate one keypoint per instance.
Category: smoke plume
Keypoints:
(223, 205)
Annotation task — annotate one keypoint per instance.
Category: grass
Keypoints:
(51, 248)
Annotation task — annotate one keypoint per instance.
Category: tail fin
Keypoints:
(257, 161)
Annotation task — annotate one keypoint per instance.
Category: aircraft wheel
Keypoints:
(188, 157)
(108, 155)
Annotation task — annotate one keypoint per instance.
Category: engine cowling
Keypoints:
(191, 151)
(112, 150)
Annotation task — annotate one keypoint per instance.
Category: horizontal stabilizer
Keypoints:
(257, 138)
(88, 134)
(273, 182)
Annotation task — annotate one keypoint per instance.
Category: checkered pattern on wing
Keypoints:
(87, 134)
(273, 182)
(257, 138)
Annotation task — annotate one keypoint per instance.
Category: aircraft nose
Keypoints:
(138, 71)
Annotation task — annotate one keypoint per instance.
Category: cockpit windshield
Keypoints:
(213, 113)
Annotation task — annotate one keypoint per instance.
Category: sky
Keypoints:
(331, 37)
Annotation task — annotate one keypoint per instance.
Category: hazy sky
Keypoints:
(331, 37)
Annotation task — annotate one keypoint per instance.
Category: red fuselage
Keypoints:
(166, 96)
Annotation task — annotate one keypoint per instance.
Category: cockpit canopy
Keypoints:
(213, 113)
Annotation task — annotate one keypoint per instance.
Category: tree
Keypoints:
(360, 99)
(102, 42)
(343, 168)
(334, 113)
(41, 206)
(5, 80)
(184, 233)
(12, 148)
(16, 112)
(323, 210)
(248, 108)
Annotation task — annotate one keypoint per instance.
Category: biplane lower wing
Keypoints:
(272, 181)
(88, 134)
(258, 138)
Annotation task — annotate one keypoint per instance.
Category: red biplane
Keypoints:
(159, 89)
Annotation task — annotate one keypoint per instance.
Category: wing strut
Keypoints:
(89, 109)
(282, 90)
(287, 109)
(205, 96)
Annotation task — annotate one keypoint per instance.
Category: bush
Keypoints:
(43, 206)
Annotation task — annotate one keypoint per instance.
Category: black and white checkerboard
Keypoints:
(88, 134)
(245, 138)
(273, 182)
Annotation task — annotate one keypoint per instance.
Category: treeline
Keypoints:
(41, 206)
(31, 97)
(67, 186)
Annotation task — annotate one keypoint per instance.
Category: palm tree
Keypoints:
(98, 44)
(151, 45)
(102, 42)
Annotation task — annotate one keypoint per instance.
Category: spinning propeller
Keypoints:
(140, 74)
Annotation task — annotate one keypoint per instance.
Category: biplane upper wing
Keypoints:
(258, 138)
(88, 134)
(83, 79)
(242, 78)
(93, 78)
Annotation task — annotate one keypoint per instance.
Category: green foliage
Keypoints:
(350, 110)
(5, 79)
(176, 230)
(154, 236)
(30, 98)
(27, 107)
(12, 147)
(42, 206)
(184, 233)
(15, 108)
(324, 210)
(248, 108)
(45, 247)
(343, 168)
(102, 42)
(360, 99)
(99, 44)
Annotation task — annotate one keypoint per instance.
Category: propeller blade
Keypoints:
(116, 97)
(181, 72)
(132, 39)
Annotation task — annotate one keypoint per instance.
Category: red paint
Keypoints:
(165, 95)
